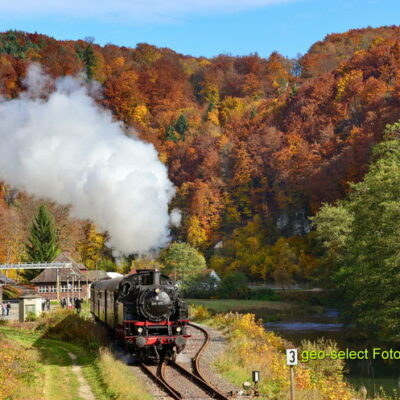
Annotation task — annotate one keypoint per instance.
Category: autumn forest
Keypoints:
(253, 145)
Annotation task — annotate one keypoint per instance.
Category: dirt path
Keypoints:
(85, 392)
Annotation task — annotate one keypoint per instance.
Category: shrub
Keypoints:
(253, 348)
(30, 317)
(201, 287)
(199, 313)
(234, 286)
(70, 327)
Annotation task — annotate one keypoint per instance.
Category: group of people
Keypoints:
(70, 303)
(5, 309)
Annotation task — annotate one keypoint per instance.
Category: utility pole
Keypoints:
(68, 294)
(58, 283)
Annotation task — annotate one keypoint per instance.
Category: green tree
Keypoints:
(183, 260)
(181, 126)
(170, 134)
(361, 238)
(234, 286)
(42, 244)
(89, 58)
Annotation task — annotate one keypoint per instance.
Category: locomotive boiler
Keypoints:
(145, 310)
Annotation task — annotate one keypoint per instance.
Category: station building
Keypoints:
(74, 281)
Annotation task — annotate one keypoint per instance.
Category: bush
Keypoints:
(251, 347)
(70, 327)
(199, 313)
(201, 287)
(30, 317)
(234, 286)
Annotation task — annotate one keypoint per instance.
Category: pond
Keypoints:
(373, 374)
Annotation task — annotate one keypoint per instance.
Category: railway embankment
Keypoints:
(36, 362)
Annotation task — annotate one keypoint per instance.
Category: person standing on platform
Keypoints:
(78, 305)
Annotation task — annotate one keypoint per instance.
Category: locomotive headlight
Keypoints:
(178, 329)
(158, 290)
(140, 330)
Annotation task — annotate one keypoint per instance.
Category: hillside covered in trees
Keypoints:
(254, 146)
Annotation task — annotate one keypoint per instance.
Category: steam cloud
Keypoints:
(68, 149)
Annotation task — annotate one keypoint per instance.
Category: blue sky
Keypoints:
(199, 27)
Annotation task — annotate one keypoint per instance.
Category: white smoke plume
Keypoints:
(175, 217)
(66, 148)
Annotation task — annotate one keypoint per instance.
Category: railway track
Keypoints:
(183, 378)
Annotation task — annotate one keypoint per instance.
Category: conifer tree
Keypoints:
(181, 126)
(89, 59)
(42, 245)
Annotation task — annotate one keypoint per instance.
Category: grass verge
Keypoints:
(50, 376)
(120, 379)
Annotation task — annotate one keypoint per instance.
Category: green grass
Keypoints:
(60, 333)
(61, 382)
(227, 305)
(124, 385)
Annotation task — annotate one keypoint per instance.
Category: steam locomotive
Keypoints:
(145, 311)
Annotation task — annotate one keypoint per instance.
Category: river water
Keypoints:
(373, 374)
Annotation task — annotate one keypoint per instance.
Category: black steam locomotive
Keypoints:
(145, 311)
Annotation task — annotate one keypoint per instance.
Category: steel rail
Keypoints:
(196, 358)
(196, 378)
(161, 380)
(203, 384)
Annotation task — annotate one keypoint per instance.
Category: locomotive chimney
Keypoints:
(156, 277)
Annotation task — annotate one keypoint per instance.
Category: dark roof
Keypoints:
(50, 275)
(108, 284)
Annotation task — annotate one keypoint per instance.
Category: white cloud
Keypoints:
(128, 10)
